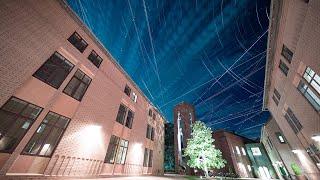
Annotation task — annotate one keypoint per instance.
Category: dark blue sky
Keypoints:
(208, 53)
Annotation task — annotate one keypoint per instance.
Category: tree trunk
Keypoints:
(206, 171)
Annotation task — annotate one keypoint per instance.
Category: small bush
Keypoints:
(296, 169)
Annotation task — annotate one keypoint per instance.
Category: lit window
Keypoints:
(78, 85)
(76, 40)
(249, 168)
(238, 150)
(256, 151)
(134, 97)
(293, 121)
(287, 53)
(117, 150)
(243, 151)
(95, 58)
(16, 117)
(283, 67)
(311, 88)
(47, 136)
(150, 132)
(280, 137)
(54, 71)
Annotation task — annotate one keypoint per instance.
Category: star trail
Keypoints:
(208, 53)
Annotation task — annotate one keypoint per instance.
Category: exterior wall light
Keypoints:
(316, 137)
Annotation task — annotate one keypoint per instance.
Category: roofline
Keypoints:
(274, 20)
(77, 19)
(233, 133)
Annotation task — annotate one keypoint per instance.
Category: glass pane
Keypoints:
(317, 78)
(51, 142)
(79, 74)
(124, 154)
(31, 111)
(316, 86)
(7, 143)
(80, 91)
(313, 99)
(6, 119)
(37, 139)
(307, 77)
(14, 105)
(86, 79)
(119, 154)
(51, 118)
(62, 122)
(121, 114)
(71, 86)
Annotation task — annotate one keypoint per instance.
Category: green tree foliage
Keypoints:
(200, 150)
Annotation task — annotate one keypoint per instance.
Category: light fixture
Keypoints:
(316, 137)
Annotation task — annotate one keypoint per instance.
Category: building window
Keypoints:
(154, 116)
(54, 71)
(95, 58)
(150, 132)
(134, 97)
(16, 117)
(283, 67)
(287, 53)
(129, 120)
(47, 136)
(269, 142)
(293, 121)
(78, 85)
(122, 151)
(127, 90)
(238, 150)
(243, 151)
(121, 114)
(280, 138)
(314, 154)
(147, 158)
(117, 150)
(76, 40)
(310, 87)
(276, 96)
(256, 151)
(150, 112)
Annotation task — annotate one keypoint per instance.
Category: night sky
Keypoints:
(208, 53)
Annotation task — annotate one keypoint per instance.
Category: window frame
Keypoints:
(95, 58)
(75, 33)
(278, 135)
(43, 65)
(293, 121)
(127, 90)
(116, 147)
(16, 116)
(74, 90)
(129, 120)
(287, 53)
(58, 140)
(284, 68)
(122, 153)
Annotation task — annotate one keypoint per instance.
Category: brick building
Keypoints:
(292, 83)
(66, 107)
(183, 116)
(233, 151)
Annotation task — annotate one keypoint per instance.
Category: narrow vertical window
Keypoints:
(129, 120)
(16, 117)
(287, 53)
(150, 158)
(54, 71)
(150, 112)
(127, 90)
(154, 116)
(76, 40)
(146, 157)
(47, 136)
(78, 85)
(112, 149)
(122, 151)
(95, 58)
(283, 67)
(293, 121)
(152, 134)
(121, 114)
(276, 96)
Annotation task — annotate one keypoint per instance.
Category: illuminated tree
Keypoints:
(200, 150)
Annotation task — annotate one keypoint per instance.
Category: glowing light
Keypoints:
(238, 150)
(243, 151)
(296, 151)
(256, 151)
(137, 148)
(316, 137)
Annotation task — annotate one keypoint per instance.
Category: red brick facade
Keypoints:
(30, 33)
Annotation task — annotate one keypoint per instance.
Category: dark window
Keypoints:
(127, 90)
(293, 121)
(154, 116)
(76, 40)
(148, 135)
(78, 85)
(150, 112)
(112, 149)
(276, 96)
(152, 134)
(129, 120)
(287, 53)
(47, 136)
(122, 151)
(95, 58)
(54, 71)
(121, 114)
(117, 150)
(284, 68)
(146, 157)
(269, 142)
(150, 158)
(280, 138)
(16, 117)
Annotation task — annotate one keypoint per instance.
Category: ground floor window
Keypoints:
(147, 158)
(117, 150)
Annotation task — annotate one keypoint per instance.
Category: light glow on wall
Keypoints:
(138, 153)
(316, 137)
